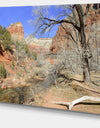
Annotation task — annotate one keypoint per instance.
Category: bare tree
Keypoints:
(21, 52)
(76, 18)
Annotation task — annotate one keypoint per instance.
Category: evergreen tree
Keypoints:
(6, 38)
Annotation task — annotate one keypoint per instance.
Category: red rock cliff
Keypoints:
(16, 31)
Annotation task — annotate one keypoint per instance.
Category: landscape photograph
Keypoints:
(50, 56)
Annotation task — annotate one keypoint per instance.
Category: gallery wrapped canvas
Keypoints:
(50, 56)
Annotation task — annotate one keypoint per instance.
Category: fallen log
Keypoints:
(74, 102)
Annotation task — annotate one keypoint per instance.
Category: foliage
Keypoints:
(27, 50)
(34, 54)
(13, 64)
(17, 44)
(20, 52)
(6, 38)
(3, 72)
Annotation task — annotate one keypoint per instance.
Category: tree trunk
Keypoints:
(86, 70)
(85, 57)
(85, 62)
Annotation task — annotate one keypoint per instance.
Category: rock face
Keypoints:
(45, 42)
(59, 40)
(16, 31)
(31, 39)
(92, 21)
(39, 44)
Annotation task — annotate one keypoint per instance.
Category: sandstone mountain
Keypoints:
(42, 43)
(17, 32)
(39, 45)
(31, 39)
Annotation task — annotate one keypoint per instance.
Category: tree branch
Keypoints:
(87, 9)
(69, 33)
(61, 21)
(74, 102)
(79, 10)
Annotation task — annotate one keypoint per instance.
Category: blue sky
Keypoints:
(25, 14)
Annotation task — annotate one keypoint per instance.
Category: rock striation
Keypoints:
(39, 44)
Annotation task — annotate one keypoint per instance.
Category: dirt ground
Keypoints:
(66, 95)
(66, 91)
(69, 93)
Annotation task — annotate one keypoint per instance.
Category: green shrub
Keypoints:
(6, 38)
(3, 72)
(34, 54)
(27, 49)
(13, 64)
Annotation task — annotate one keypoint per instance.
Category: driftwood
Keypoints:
(74, 102)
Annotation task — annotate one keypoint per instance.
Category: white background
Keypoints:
(19, 116)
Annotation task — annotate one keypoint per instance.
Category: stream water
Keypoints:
(20, 95)
(15, 95)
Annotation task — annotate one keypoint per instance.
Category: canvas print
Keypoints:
(50, 56)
